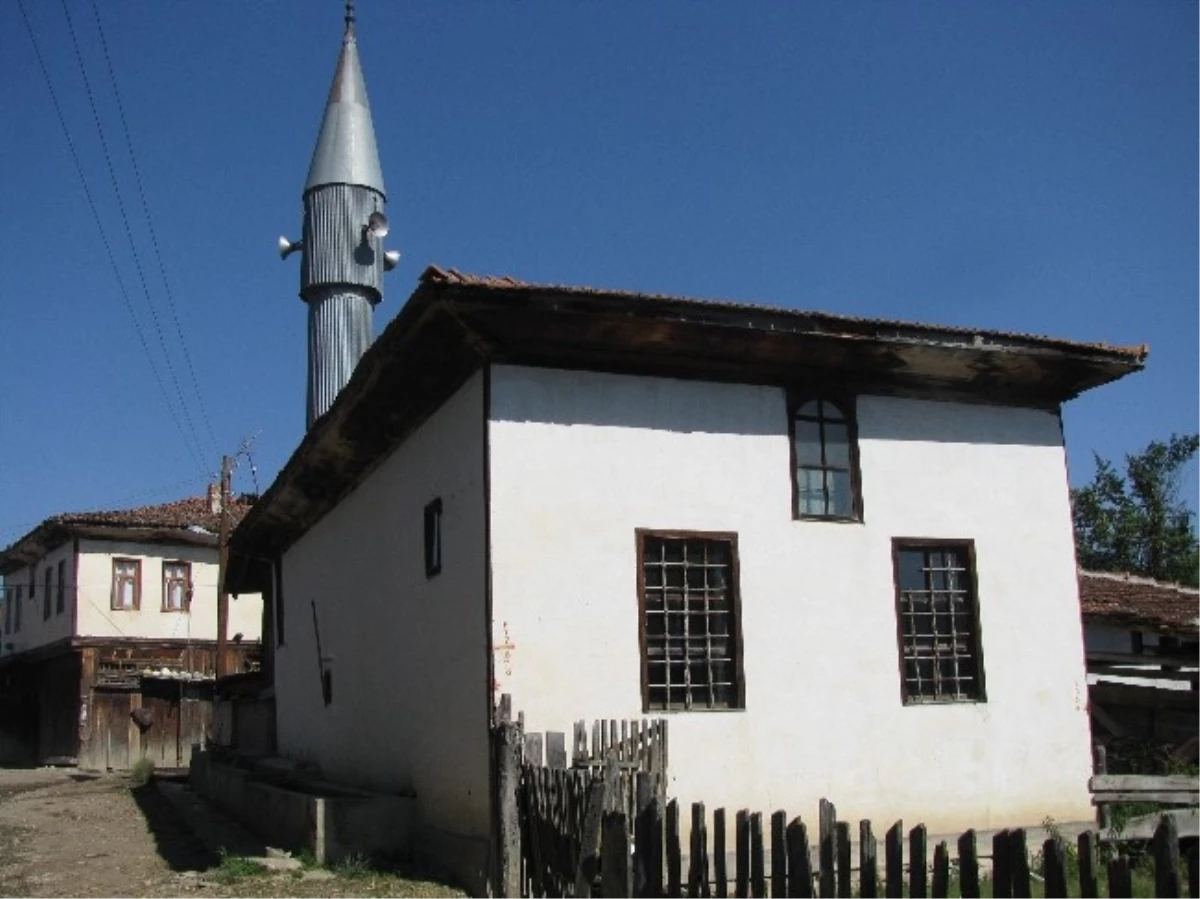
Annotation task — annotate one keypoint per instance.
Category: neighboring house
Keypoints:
(110, 634)
(836, 552)
(1142, 638)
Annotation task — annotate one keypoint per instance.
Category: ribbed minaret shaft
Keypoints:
(341, 274)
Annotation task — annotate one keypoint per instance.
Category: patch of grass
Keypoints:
(236, 867)
(355, 866)
(142, 771)
(307, 858)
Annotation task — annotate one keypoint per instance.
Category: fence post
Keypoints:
(827, 815)
(779, 854)
(698, 863)
(510, 742)
(968, 866)
(1018, 854)
(589, 842)
(941, 871)
(614, 870)
(842, 839)
(674, 855)
(799, 861)
(1120, 884)
(918, 862)
(720, 874)
(1088, 884)
(1103, 812)
(1054, 868)
(1001, 866)
(741, 861)
(758, 879)
(868, 863)
(894, 861)
(1166, 857)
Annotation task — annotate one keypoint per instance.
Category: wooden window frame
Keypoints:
(952, 543)
(739, 701)
(433, 537)
(797, 397)
(166, 583)
(137, 585)
(60, 599)
(48, 592)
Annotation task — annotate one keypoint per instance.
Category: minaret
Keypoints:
(342, 256)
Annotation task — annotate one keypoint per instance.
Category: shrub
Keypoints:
(142, 771)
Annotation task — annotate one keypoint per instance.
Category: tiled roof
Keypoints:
(1128, 600)
(192, 517)
(450, 276)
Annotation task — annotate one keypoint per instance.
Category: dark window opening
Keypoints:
(60, 604)
(690, 621)
(941, 657)
(17, 610)
(433, 537)
(327, 685)
(48, 594)
(825, 461)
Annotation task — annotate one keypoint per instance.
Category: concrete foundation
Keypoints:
(330, 821)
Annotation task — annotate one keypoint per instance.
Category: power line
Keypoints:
(137, 176)
(197, 459)
(137, 261)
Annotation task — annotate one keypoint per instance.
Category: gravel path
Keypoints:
(67, 833)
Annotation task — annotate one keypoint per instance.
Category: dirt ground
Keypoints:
(68, 833)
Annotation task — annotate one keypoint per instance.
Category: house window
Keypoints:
(17, 610)
(47, 596)
(433, 537)
(127, 584)
(60, 604)
(825, 460)
(10, 600)
(690, 621)
(177, 586)
(941, 659)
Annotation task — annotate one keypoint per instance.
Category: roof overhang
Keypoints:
(52, 534)
(453, 324)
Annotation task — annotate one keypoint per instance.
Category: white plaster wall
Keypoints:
(579, 460)
(97, 618)
(408, 654)
(37, 630)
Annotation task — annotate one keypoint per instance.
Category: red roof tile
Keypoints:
(1131, 601)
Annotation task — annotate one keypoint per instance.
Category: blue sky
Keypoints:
(1023, 166)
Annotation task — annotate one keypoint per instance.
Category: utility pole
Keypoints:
(223, 563)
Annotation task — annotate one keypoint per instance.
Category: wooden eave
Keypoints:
(50, 535)
(450, 328)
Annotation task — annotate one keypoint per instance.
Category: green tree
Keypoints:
(1137, 522)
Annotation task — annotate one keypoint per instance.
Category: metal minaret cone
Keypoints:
(343, 260)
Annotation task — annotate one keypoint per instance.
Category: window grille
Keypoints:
(825, 458)
(691, 652)
(940, 653)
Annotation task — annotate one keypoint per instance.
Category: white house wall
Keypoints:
(36, 629)
(580, 460)
(408, 654)
(97, 617)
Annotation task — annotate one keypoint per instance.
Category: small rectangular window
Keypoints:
(17, 610)
(941, 657)
(690, 621)
(10, 600)
(825, 475)
(433, 537)
(33, 582)
(48, 595)
(61, 599)
(127, 584)
(177, 586)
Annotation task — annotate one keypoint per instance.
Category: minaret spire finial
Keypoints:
(349, 18)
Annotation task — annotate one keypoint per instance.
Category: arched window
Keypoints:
(825, 460)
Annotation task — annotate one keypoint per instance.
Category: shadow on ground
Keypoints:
(178, 846)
